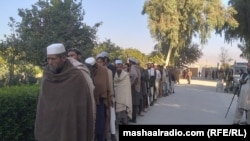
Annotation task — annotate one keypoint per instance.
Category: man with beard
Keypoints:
(65, 108)
(243, 104)
(122, 89)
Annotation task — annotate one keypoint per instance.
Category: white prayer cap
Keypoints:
(150, 62)
(118, 61)
(56, 48)
(90, 60)
(132, 59)
(99, 56)
(105, 54)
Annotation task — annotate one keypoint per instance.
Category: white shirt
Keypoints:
(158, 75)
(151, 72)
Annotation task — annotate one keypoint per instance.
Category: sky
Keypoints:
(123, 24)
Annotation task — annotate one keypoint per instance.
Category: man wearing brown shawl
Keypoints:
(135, 77)
(64, 109)
(86, 72)
(101, 91)
(109, 121)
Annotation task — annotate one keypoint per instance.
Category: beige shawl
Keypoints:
(122, 89)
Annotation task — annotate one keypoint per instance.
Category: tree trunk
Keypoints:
(11, 75)
(168, 56)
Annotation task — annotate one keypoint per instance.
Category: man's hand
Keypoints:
(112, 101)
(242, 82)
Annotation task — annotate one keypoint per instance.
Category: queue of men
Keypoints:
(86, 100)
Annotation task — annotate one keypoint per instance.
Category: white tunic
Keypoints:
(244, 98)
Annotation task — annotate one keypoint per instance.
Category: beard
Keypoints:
(119, 70)
(57, 69)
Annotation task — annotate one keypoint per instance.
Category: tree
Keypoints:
(157, 58)
(55, 21)
(173, 23)
(224, 58)
(138, 55)
(113, 50)
(245, 50)
(188, 55)
(13, 53)
(118, 52)
(3, 71)
(242, 32)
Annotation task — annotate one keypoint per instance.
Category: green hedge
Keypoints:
(17, 112)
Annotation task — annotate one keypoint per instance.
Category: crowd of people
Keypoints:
(87, 100)
(96, 95)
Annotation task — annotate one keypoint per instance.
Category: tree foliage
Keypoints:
(173, 23)
(245, 50)
(116, 51)
(157, 56)
(224, 58)
(55, 21)
(188, 55)
(110, 47)
(135, 53)
(13, 52)
(242, 32)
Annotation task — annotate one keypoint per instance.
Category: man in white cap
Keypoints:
(122, 89)
(108, 62)
(65, 108)
(102, 100)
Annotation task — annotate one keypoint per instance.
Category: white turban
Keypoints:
(56, 48)
(118, 61)
(99, 56)
(105, 54)
(133, 60)
(91, 61)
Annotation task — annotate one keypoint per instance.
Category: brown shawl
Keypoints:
(84, 69)
(102, 89)
(135, 77)
(101, 82)
(64, 110)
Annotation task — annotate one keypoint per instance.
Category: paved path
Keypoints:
(194, 104)
(197, 103)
